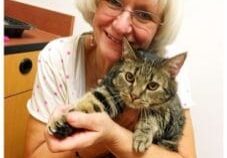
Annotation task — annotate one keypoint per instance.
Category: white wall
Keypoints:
(202, 35)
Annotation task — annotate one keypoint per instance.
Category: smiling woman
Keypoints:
(69, 67)
(112, 28)
(171, 19)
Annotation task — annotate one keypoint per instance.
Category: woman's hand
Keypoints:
(98, 128)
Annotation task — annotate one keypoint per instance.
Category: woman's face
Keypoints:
(114, 20)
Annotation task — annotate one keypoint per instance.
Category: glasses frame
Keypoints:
(133, 13)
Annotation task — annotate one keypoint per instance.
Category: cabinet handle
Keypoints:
(25, 66)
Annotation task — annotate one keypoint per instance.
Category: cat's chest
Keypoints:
(128, 118)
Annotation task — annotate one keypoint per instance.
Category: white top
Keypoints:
(60, 78)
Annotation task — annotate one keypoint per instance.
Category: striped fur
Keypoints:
(140, 81)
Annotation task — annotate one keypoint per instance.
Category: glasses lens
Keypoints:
(140, 18)
(144, 19)
(114, 4)
(111, 7)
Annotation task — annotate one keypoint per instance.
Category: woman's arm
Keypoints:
(121, 145)
(101, 129)
(36, 146)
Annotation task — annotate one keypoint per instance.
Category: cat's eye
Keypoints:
(129, 77)
(153, 86)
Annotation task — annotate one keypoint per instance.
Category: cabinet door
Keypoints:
(20, 69)
(16, 116)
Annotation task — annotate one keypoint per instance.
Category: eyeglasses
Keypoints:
(140, 18)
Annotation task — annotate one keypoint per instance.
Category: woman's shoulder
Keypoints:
(60, 48)
(60, 44)
(64, 41)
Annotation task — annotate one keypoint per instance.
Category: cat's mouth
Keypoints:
(134, 104)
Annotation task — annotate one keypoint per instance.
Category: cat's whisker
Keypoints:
(145, 115)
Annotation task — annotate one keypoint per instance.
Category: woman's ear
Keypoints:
(174, 64)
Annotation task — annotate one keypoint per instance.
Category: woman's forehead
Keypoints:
(141, 2)
(150, 5)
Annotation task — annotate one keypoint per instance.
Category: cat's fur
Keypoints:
(142, 81)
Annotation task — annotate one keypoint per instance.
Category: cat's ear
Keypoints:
(174, 64)
(128, 52)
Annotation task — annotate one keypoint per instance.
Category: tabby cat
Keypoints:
(142, 81)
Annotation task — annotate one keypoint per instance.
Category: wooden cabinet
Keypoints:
(20, 62)
(20, 69)
(51, 21)
(15, 124)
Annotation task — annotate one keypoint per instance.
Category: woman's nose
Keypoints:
(122, 23)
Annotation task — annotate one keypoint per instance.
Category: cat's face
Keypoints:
(140, 85)
(146, 83)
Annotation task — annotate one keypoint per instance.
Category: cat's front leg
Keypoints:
(58, 125)
(144, 133)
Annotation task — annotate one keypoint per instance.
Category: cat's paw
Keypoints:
(141, 143)
(58, 125)
(60, 128)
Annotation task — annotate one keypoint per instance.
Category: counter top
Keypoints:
(31, 40)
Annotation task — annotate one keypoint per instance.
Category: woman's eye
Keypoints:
(114, 3)
(129, 77)
(153, 86)
(143, 15)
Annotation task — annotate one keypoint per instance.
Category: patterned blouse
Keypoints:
(60, 78)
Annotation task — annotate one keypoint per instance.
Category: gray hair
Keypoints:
(171, 14)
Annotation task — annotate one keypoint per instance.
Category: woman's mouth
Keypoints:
(115, 40)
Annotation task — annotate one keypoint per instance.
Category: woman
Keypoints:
(68, 67)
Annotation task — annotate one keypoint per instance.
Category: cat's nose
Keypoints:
(134, 96)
